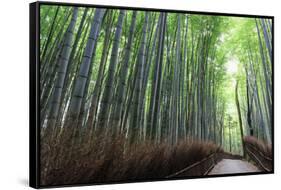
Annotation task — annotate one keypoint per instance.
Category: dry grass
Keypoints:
(265, 148)
(68, 160)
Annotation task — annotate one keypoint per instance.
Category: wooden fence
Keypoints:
(204, 166)
(258, 156)
(254, 149)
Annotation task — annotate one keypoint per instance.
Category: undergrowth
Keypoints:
(102, 158)
(262, 146)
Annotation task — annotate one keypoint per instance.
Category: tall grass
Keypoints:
(66, 159)
(260, 145)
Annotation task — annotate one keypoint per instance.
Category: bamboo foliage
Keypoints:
(157, 77)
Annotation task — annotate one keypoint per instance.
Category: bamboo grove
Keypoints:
(155, 76)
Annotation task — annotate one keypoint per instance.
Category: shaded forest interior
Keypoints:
(126, 93)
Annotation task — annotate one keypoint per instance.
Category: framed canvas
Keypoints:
(126, 94)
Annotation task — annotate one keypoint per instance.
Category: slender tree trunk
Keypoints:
(121, 86)
(107, 94)
(136, 107)
(83, 76)
(46, 45)
(156, 85)
(63, 62)
(239, 117)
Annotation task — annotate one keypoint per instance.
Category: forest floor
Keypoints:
(229, 166)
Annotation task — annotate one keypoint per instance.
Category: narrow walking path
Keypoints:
(229, 166)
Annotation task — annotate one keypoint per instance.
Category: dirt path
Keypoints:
(228, 166)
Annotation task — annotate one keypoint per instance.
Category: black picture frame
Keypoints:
(34, 89)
